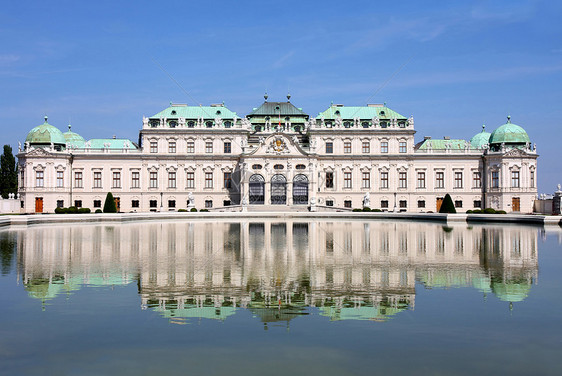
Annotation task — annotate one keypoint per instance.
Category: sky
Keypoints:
(453, 65)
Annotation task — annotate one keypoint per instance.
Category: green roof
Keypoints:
(509, 133)
(45, 134)
(274, 108)
(480, 139)
(361, 112)
(73, 138)
(176, 111)
(443, 144)
(112, 143)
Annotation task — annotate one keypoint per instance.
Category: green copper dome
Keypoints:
(72, 137)
(509, 134)
(480, 139)
(45, 134)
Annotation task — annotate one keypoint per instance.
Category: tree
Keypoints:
(447, 205)
(109, 206)
(8, 173)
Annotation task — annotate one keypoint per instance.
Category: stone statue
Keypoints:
(218, 122)
(376, 122)
(411, 121)
(19, 146)
(559, 187)
(145, 122)
(313, 200)
(367, 200)
(26, 144)
(191, 199)
(339, 122)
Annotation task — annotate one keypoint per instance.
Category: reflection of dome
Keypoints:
(509, 134)
(511, 292)
(73, 138)
(480, 139)
(482, 284)
(44, 135)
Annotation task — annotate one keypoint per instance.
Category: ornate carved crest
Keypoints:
(278, 145)
(38, 152)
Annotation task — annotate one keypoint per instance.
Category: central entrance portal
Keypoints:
(300, 190)
(257, 189)
(278, 190)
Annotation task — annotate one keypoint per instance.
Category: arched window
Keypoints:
(278, 190)
(257, 189)
(300, 189)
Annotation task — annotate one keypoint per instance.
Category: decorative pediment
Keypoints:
(279, 144)
(38, 152)
(515, 153)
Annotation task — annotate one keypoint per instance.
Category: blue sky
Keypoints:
(463, 63)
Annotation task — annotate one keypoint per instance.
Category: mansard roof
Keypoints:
(176, 111)
(444, 144)
(362, 112)
(274, 108)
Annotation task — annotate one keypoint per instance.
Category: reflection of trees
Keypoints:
(7, 251)
(280, 270)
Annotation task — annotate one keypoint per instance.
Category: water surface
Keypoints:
(280, 297)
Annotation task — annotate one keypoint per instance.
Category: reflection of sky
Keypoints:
(278, 271)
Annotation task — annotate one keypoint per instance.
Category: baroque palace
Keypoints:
(278, 158)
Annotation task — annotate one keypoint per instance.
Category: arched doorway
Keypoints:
(300, 190)
(278, 190)
(257, 190)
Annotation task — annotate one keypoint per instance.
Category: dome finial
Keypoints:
(69, 126)
(288, 96)
(509, 118)
(483, 127)
(46, 117)
(265, 96)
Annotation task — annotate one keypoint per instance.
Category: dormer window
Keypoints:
(191, 124)
(337, 112)
(297, 128)
(154, 123)
(365, 124)
(347, 124)
(287, 118)
(384, 124)
(227, 124)
(328, 124)
(173, 112)
(218, 112)
(382, 113)
(402, 124)
(173, 124)
(209, 124)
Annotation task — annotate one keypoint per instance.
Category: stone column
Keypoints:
(556, 201)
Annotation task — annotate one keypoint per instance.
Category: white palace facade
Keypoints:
(278, 158)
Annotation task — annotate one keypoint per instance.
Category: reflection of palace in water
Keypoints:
(279, 269)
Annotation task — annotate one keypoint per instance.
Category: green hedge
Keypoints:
(72, 210)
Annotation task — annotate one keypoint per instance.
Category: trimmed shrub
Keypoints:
(377, 210)
(72, 210)
(501, 212)
(447, 206)
(477, 211)
(203, 210)
(60, 210)
(469, 212)
(367, 209)
(182, 210)
(98, 211)
(489, 211)
(109, 205)
(84, 210)
(357, 210)
(193, 210)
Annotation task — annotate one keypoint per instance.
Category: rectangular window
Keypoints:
(153, 146)
(458, 204)
(208, 146)
(366, 180)
(329, 203)
(421, 179)
(329, 147)
(532, 180)
(384, 204)
(514, 179)
(347, 203)
(97, 203)
(39, 178)
(477, 204)
(227, 147)
(153, 203)
(402, 147)
(366, 147)
(403, 204)
(347, 147)
(171, 179)
(78, 203)
(440, 179)
(153, 179)
(60, 203)
(384, 147)
(78, 181)
(60, 179)
(476, 179)
(191, 180)
(458, 179)
(228, 180)
(135, 179)
(226, 203)
(384, 179)
(97, 179)
(171, 203)
(116, 179)
(135, 203)
(329, 180)
(347, 179)
(190, 146)
(208, 180)
(402, 180)
(421, 203)
(208, 203)
(495, 179)
(172, 147)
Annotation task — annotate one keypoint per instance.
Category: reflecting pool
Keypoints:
(280, 297)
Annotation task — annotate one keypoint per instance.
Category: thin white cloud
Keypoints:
(7, 59)
(283, 60)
